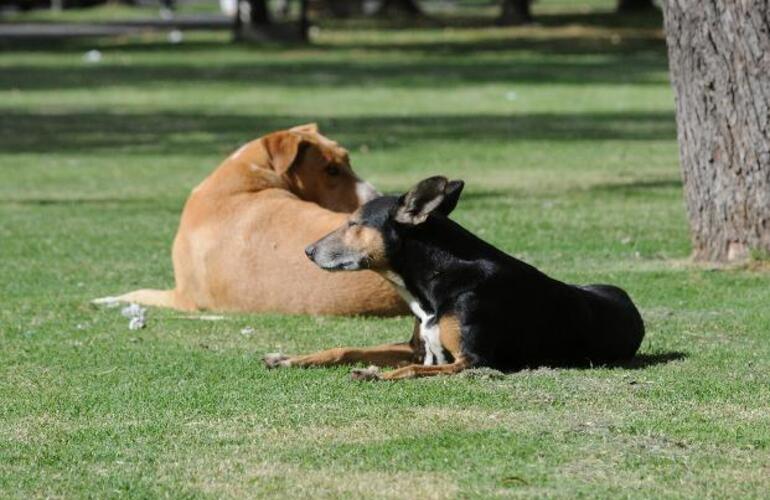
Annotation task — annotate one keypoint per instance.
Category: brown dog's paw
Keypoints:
(276, 360)
(370, 373)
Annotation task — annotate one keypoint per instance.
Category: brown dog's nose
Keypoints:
(310, 251)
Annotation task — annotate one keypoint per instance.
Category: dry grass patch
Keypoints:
(246, 475)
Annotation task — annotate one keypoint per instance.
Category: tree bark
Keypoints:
(625, 6)
(719, 56)
(343, 8)
(260, 14)
(304, 21)
(515, 12)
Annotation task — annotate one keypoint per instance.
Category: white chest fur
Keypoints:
(429, 333)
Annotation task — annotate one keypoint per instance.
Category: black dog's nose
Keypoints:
(310, 251)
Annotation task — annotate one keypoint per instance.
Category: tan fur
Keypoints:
(389, 355)
(415, 371)
(392, 355)
(450, 335)
(241, 239)
(369, 242)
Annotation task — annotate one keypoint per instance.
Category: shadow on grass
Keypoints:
(639, 362)
(641, 29)
(459, 19)
(44, 202)
(613, 47)
(588, 43)
(607, 19)
(435, 73)
(645, 360)
(440, 62)
(577, 34)
(160, 133)
(636, 186)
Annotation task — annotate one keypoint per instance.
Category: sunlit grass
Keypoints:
(565, 137)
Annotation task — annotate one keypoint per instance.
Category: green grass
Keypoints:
(566, 139)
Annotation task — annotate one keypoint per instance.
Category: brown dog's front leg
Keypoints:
(390, 355)
(412, 371)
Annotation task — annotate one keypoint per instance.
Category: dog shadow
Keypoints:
(645, 360)
(638, 362)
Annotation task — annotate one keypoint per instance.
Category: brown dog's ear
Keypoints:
(308, 128)
(415, 206)
(283, 148)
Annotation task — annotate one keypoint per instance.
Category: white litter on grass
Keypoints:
(248, 330)
(175, 36)
(136, 323)
(132, 310)
(136, 314)
(92, 56)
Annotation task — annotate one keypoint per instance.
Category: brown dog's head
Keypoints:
(315, 168)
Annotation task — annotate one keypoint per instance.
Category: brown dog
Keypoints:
(240, 243)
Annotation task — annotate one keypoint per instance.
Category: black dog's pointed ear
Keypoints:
(451, 197)
(415, 206)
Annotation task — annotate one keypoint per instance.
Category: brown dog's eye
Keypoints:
(333, 170)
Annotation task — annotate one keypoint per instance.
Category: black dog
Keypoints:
(476, 305)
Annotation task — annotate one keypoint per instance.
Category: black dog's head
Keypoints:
(377, 229)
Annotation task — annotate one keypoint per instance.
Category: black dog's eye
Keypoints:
(333, 170)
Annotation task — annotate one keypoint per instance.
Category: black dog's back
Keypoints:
(514, 315)
(521, 318)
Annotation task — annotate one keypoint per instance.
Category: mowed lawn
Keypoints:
(565, 136)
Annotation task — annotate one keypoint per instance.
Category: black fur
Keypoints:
(511, 315)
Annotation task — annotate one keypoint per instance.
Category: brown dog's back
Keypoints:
(241, 238)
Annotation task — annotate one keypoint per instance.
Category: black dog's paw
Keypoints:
(370, 373)
(276, 360)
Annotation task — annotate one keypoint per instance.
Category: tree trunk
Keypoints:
(343, 8)
(719, 55)
(625, 6)
(260, 14)
(304, 21)
(515, 12)
(408, 7)
(237, 23)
